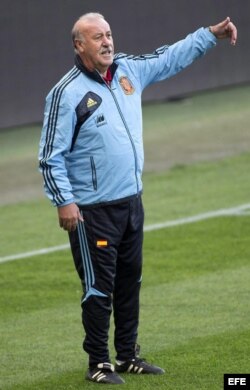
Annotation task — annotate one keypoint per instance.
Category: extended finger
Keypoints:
(233, 32)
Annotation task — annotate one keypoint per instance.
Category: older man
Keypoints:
(91, 157)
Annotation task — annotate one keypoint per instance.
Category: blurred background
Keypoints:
(36, 47)
(199, 115)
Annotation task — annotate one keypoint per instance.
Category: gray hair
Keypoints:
(76, 34)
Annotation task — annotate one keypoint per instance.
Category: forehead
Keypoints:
(94, 26)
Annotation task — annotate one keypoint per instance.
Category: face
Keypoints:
(96, 49)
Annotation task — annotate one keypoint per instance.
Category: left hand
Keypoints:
(225, 29)
(69, 216)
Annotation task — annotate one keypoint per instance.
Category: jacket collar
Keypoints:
(95, 75)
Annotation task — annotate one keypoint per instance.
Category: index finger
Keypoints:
(233, 30)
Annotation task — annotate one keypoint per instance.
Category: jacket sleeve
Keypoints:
(56, 138)
(166, 61)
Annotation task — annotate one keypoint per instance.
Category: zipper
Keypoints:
(93, 169)
(128, 132)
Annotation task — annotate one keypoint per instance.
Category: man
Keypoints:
(91, 157)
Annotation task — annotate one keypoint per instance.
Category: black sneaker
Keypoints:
(104, 373)
(138, 366)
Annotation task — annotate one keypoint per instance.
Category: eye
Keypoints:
(98, 37)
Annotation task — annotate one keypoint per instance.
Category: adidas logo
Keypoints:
(91, 102)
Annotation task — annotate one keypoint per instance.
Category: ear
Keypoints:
(79, 46)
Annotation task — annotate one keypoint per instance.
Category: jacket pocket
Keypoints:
(93, 169)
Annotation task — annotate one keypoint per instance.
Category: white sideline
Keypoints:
(238, 210)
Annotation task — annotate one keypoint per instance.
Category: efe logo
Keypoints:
(236, 381)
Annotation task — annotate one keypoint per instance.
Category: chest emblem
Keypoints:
(91, 102)
(126, 85)
(100, 120)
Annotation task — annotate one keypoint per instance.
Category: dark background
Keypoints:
(36, 47)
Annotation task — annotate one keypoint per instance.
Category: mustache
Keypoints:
(106, 50)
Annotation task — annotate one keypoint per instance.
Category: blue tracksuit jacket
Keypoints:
(91, 148)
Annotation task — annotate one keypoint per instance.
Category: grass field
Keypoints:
(195, 317)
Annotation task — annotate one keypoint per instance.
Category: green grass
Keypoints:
(196, 279)
(203, 127)
(194, 317)
(189, 190)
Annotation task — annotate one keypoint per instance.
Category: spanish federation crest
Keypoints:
(126, 85)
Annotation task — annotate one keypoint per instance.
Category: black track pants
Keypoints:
(107, 251)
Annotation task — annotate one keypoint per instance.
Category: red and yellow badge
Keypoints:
(101, 243)
(126, 85)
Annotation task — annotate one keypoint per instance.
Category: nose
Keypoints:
(105, 41)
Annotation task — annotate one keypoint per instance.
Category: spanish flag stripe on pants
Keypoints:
(102, 243)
